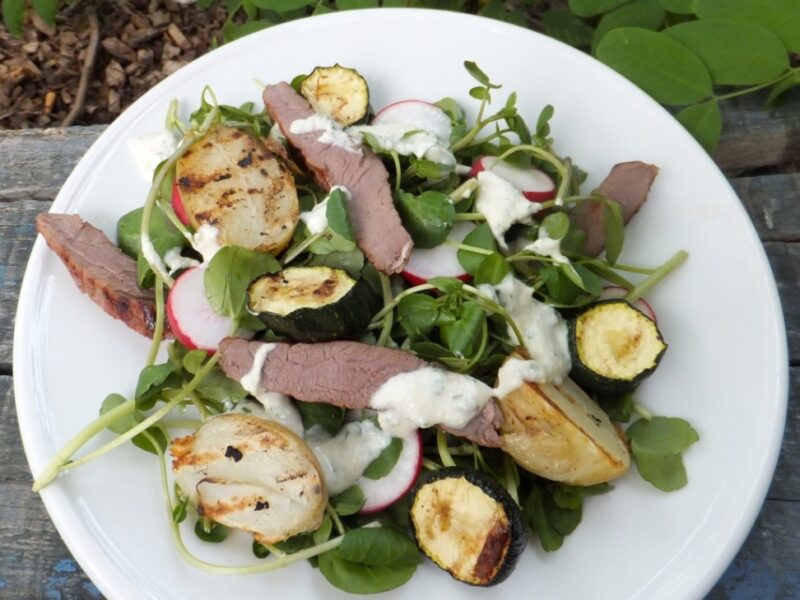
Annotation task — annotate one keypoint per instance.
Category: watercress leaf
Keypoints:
(153, 440)
(479, 93)
(571, 496)
(297, 81)
(543, 122)
(680, 7)
(351, 261)
(213, 533)
(534, 513)
(591, 282)
(480, 237)
(327, 416)
(458, 120)
(348, 502)
(425, 169)
(607, 273)
(590, 8)
(559, 287)
(563, 520)
(229, 274)
(704, 122)
(556, 225)
(152, 380)
(613, 230)
(193, 360)
(331, 242)
(163, 233)
(657, 446)
(356, 578)
(564, 25)
(296, 543)
(647, 14)
(260, 550)
(431, 351)
(448, 285)
(475, 71)
(668, 71)
(179, 511)
(417, 315)
(122, 424)
(735, 52)
(782, 17)
(336, 212)
(492, 270)
(13, 16)
(323, 533)
(386, 460)
(379, 546)
(218, 387)
(462, 335)
(618, 408)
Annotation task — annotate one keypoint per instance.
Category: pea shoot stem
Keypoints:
(464, 190)
(388, 318)
(337, 522)
(387, 308)
(430, 465)
(473, 216)
(444, 451)
(660, 273)
(158, 332)
(297, 250)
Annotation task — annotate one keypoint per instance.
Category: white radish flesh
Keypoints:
(417, 114)
(383, 492)
(441, 261)
(191, 319)
(613, 293)
(535, 185)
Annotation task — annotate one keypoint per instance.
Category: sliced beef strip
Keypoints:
(376, 224)
(628, 183)
(100, 270)
(344, 374)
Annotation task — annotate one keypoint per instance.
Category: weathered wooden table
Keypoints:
(761, 154)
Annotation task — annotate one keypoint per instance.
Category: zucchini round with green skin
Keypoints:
(468, 525)
(614, 347)
(313, 304)
(339, 92)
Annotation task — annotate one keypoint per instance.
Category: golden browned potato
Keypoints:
(560, 433)
(232, 182)
(253, 474)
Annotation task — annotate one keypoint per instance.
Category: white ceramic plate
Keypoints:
(725, 370)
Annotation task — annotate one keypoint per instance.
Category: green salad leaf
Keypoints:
(658, 445)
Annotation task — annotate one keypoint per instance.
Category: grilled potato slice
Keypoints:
(253, 474)
(231, 181)
(560, 433)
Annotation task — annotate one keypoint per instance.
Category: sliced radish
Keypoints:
(614, 292)
(177, 204)
(441, 261)
(190, 316)
(383, 492)
(417, 114)
(535, 185)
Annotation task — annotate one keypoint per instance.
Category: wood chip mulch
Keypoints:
(140, 43)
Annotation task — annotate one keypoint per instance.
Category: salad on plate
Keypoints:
(387, 334)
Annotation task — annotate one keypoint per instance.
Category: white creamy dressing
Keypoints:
(205, 241)
(277, 407)
(316, 219)
(502, 204)
(149, 150)
(543, 330)
(276, 133)
(150, 254)
(398, 137)
(175, 261)
(330, 132)
(345, 456)
(547, 246)
(426, 397)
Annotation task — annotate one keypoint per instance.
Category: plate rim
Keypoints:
(98, 566)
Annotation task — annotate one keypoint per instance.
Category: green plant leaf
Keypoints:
(668, 71)
(556, 225)
(613, 230)
(213, 533)
(476, 72)
(534, 512)
(417, 315)
(379, 546)
(327, 416)
(351, 261)
(735, 52)
(680, 7)
(428, 217)
(233, 31)
(386, 460)
(480, 237)
(462, 335)
(492, 270)
(46, 9)
(647, 14)
(348, 502)
(618, 408)
(777, 92)
(357, 578)
(152, 380)
(782, 17)
(353, 4)
(497, 9)
(229, 274)
(704, 122)
(283, 5)
(336, 213)
(13, 16)
(567, 27)
(657, 445)
(590, 8)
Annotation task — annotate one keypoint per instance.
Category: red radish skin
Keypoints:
(614, 292)
(441, 261)
(195, 324)
(535, 185)
(381, 493)
(418, 114)
(177, 205)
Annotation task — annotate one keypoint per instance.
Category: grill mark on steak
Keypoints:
(629, 184)
(376, 223)
(100, 270)
(342, 373)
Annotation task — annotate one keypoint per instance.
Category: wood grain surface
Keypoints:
(34, 563)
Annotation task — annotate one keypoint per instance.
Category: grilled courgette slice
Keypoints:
(313, 304)
(468, 525)
(614, 347)
(339, 92)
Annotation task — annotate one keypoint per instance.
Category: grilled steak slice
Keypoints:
(344, 374)
(628, 183)
(376, 224)
(100, 270)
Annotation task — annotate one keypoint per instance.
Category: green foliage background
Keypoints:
(689, 55)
